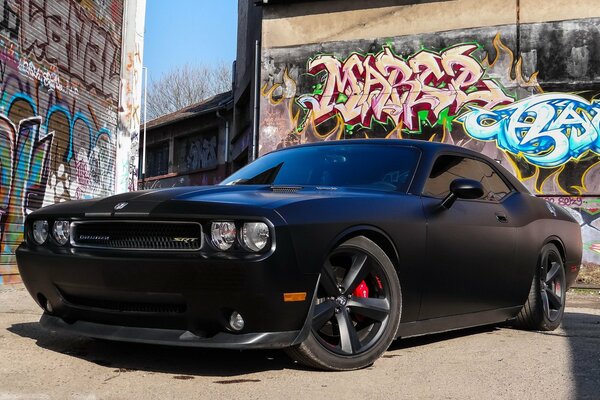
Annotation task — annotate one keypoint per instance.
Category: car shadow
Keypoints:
(424, 340)
(180, 361)
(581, 329)
(583, 333)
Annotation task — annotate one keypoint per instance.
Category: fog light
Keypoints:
(40, 231)
(61, 232)
(236, 322)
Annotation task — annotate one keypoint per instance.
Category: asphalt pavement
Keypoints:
(483, 363)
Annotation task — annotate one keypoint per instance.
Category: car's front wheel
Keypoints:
(544, 308)
(357, 310)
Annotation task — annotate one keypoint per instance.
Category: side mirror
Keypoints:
(462, 189)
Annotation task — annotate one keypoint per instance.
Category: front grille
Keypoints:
(137, 235)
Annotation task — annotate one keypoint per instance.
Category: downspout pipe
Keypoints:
(254, 153)
(145, 69)
(227, 138)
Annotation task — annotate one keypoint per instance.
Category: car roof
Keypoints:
(424, 145)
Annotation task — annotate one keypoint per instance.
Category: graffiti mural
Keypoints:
(59, 93)
(197, 152)
(129, 120)
(385, 87)
(586, 210)
(548, 130)
(76, 45)
(471, 91)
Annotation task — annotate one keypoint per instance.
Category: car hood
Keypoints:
(206, 199)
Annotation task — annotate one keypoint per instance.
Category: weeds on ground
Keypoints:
(589, 274)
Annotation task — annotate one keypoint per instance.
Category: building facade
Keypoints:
(189, 147)
(69, 106)
(517, 80)
(246, 77)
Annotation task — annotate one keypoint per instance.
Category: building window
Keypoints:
(157, 160)
(195, 152)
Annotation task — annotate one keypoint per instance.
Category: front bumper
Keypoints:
(173, 337)
(175, 299)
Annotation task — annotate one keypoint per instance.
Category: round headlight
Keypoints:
(61, 232)
(255, 235)
(222, 234)
(40, 231)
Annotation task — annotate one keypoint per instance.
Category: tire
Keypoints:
(544, 308)
(352, 326)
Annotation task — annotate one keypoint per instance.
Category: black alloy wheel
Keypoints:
(357, 310)
(552, 287)
(545, 305)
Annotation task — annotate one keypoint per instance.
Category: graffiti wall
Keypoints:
(586, 210)
(204, 178)
(196, 152)
(59, 70)
(526, 95)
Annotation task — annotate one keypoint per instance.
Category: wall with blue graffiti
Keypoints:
(524, 89)
(59, 95)
(548, 130)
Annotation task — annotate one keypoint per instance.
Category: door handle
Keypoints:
(501, 218)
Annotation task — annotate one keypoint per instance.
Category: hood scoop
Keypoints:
(286, 189)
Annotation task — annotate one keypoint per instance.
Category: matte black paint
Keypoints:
(458, 267)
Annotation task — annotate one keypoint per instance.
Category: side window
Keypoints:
(448, 168)
(495, 189)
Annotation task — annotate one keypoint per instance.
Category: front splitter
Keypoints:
(172, 337)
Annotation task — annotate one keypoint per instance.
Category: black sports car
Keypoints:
(328, 250)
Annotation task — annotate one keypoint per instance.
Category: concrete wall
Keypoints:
(130, 96)
(518, 80)
(60, 67)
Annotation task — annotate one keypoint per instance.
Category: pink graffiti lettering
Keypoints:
(83, 172)
(566, 201)
(385, 86)
(570, 201)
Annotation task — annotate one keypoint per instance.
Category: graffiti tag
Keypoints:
(548, 129)
(64, 35)
(566, 201)
(385, 86)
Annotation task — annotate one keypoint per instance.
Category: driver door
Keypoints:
(470, 253)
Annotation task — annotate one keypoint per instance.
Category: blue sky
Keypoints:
(188, 31)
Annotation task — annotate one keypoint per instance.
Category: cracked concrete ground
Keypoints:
(489, 362)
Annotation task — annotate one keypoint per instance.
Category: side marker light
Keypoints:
(291, 297)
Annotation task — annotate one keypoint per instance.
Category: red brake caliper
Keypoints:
(362, 290)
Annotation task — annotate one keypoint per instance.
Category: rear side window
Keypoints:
(448, 168)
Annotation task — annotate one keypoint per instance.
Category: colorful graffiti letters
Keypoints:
(59, 70)
(62, 34)
(23, 176)
(548, 129)
(385, 86)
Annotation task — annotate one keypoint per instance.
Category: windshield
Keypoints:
(379, 167)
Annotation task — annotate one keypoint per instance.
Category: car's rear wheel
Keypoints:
(544, 308)
(357, 310)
